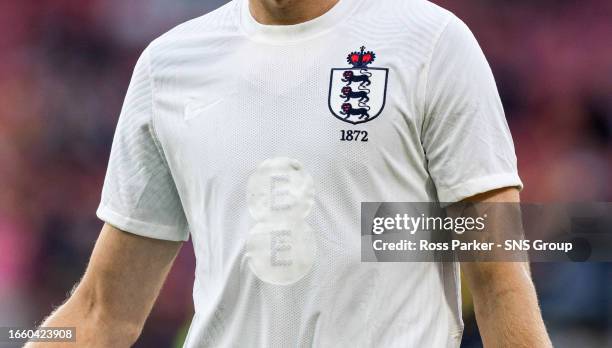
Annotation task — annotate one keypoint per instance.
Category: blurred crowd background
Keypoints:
(64, 69)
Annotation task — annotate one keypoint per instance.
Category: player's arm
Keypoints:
(111, 303)
(469, 150)
(505, 300)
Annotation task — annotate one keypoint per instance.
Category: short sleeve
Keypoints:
(139, 195)
(465, 135)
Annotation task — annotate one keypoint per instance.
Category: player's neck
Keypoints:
(288, 12)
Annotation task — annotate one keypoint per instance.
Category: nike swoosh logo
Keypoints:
(197, 109)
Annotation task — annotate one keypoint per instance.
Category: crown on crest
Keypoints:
(361, 59)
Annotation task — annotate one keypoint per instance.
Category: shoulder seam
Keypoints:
(153, 131)
(438, 36)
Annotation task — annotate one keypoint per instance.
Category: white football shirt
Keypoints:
(260, 142)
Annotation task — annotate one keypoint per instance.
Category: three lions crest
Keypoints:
(358, 94)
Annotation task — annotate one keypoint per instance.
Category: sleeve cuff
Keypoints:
(478, 185)
(141, 228)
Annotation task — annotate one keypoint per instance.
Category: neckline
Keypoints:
(294, 32)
